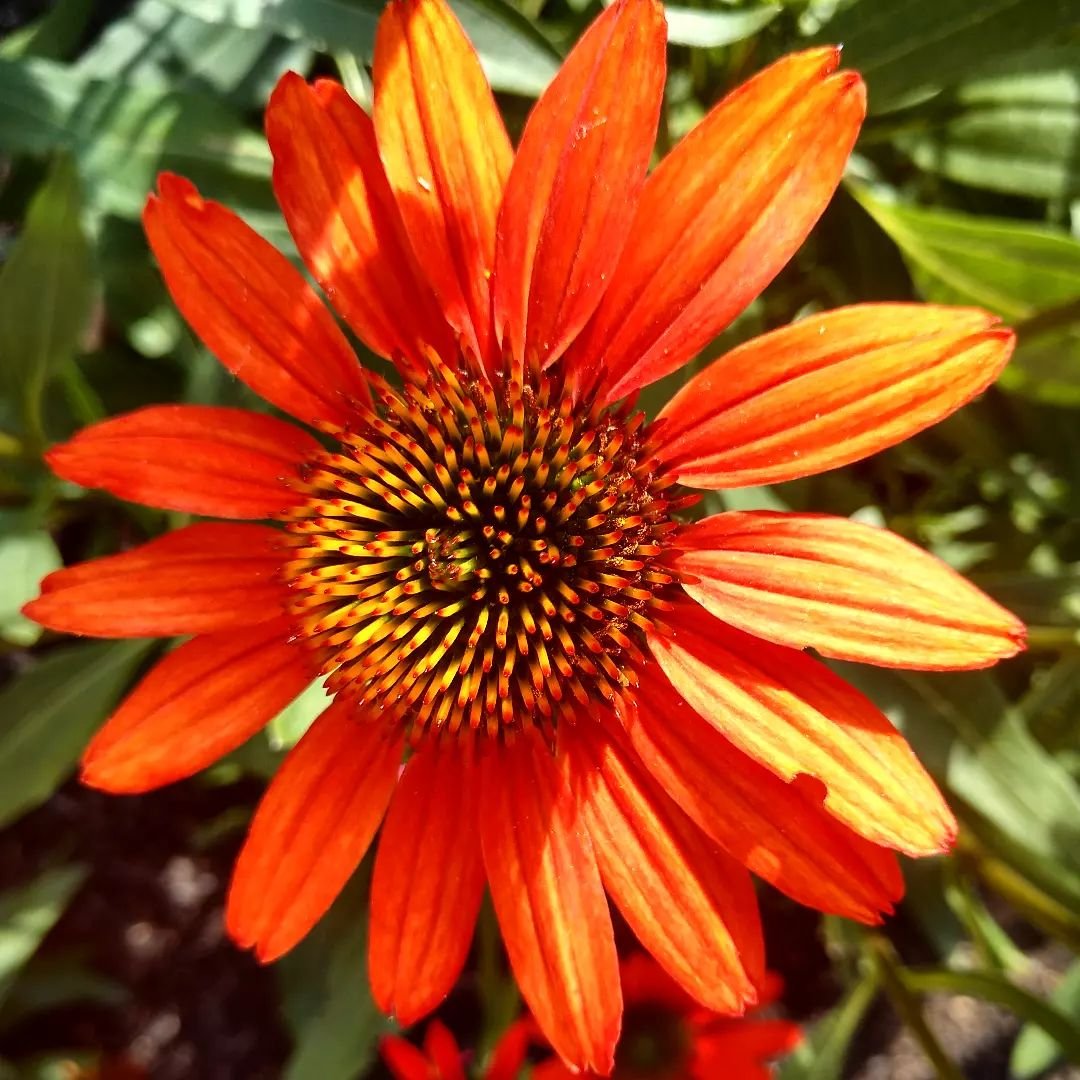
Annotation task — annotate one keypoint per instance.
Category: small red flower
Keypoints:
(488, 565)
(667, 1036)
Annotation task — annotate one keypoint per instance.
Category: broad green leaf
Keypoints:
(515, 55)
(909, 49)
(326, 998)
(712, 28)
(47, 288)
(26, 556)
(989, 986)
(50, 982)
(1015, 270)
(121, 135)
(285, 730)
(48, 713)
(822, 1054)
(28, 913)
(1034, 1050)
(1015, 133)
(973, 743)
(54, 35)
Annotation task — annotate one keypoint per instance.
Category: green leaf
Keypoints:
(1034, 1050)
(49, 713)
(516, 57)
(997, 989)
(25, 558)
(712, 29)
(47, 287)
(54, 35)
(1011, 269)
(822, 1054)
(1016, 133)
(122, 134)
(910, 49)
(28, 913)
(285, 730)
(326, 997)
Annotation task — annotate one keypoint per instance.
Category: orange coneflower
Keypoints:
(487, 564)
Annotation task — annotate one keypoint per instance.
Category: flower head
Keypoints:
(486, 559)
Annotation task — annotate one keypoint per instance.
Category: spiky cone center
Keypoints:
(479, 556)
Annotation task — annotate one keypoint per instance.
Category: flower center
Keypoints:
(478, 554)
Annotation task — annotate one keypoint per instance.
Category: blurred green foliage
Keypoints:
(964, 188)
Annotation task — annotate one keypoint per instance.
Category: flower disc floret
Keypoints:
(481, 553)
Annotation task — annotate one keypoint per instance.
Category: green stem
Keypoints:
(896, 986)
(1052, 638)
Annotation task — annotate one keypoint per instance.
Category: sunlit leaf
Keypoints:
(26, 556)
(1034, 1050)
(1014, 132)
(909, 49)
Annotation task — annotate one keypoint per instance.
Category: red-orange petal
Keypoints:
(405, 1061)
(720, 216)
(205, 577)
(779, 831)
(509, 1054)
(742, 1049)
(828, 390)
(795, 717)
(427, 885)
(198, 703)
(201, 459)
(311, 830)
(341, 212)
(251, 306)
(844, 589)
(575, 181)
(550, 902)
(690, 905)
(446, 154)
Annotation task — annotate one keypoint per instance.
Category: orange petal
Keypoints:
(198, 703)
(196, 580)
(202, 459)
(743, 1049)
(847, 590)
(777, 830)
(509, 1054)
(692, 907)
(721, 216)
(251, 306)
(429, 878)
(575, 181)
(828, 390)
(339, 208)
(311, 830)
(796, 717)
(446, 154)
(549, 901)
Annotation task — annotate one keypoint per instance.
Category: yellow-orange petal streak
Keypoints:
(342, 214)
(198, 703)
(575, 181)
(251, 306)
(689, 904)
(719, 218)
(446, 153)
(827, 391)
(779, 831)
(549, 900)
(311, 830)
(427, 885)
(202, 459)
(846, 589)
(205, 577)
(796, 717)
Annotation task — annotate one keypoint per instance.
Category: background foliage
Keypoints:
(965, 187)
